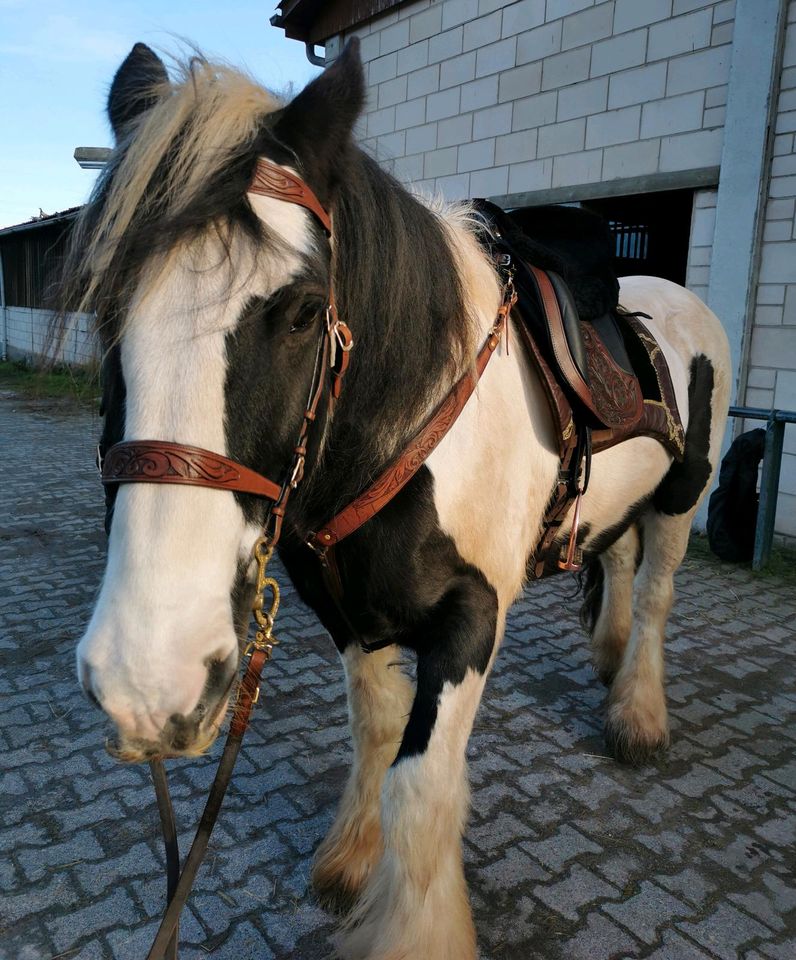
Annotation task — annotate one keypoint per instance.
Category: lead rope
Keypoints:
(259, 653)
(168, 828)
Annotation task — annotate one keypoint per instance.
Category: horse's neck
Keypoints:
(423, 332)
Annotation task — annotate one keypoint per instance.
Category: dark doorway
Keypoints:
(652, 231)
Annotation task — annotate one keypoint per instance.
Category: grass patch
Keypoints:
(781, 564)
(80, 385)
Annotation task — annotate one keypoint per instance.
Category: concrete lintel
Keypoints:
(621, 187)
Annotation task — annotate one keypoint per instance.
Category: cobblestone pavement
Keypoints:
(568, 855)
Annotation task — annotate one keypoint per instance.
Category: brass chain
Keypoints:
(263, 637)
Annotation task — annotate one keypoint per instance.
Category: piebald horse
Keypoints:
(209, 300)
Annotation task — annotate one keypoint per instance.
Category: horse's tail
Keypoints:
(591, 583)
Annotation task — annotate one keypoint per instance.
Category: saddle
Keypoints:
(604, 375)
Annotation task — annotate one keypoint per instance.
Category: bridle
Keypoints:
(159, 461)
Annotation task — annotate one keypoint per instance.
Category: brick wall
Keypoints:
(771, 378)
(481, 97)
(700, 246)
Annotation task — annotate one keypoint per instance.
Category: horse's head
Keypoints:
(209, 302)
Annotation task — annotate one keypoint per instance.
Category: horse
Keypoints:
(209, 299)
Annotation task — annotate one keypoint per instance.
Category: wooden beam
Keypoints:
(316, 22)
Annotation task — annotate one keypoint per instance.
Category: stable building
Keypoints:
(674, 119)
(30, 258)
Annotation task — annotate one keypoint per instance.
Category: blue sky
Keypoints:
(57, 60)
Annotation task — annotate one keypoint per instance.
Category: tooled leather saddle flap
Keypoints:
(608, 396)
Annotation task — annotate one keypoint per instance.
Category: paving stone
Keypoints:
(645, 912)
(675, 947)
(725, 931)
(558, 849)
(599, 938)
(115, 910)
(570, 895)
(567, 855)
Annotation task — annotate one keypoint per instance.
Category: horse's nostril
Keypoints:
(181, 731)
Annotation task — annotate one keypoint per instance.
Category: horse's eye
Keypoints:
(305, 317)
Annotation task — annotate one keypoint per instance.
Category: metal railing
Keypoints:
(769, 480)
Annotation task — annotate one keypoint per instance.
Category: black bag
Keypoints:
(732, 510)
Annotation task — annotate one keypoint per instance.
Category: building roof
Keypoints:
(45, 220)
(314, 21)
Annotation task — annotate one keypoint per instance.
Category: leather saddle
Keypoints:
(604, 375)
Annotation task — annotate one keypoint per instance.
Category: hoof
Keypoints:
(634, 747)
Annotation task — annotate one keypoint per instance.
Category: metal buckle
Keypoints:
(336, 337)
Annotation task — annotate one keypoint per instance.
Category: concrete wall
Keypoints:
(488, 98)
(26, 331)
(771, 378)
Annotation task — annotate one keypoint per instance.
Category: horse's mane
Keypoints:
(180, 165)
(182, 168)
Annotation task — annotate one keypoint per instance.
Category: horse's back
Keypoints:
(686, 326)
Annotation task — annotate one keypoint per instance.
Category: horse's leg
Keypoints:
(379, 700)
(637, 725)
(415, 904)
(614, 604)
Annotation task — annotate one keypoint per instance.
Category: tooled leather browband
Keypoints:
(157, 461)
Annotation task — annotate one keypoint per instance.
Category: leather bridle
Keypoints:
(159, 461)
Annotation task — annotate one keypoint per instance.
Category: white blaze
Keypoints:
(164, 606)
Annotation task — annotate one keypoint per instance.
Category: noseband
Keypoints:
(161, 461)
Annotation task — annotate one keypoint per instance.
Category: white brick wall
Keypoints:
(700, 247)
(489, 98)
(537, 94)
(771, 380)
(27, 336)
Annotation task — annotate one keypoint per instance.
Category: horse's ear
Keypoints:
(134, 87)
(317, 124)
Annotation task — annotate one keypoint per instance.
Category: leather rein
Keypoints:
(159, 461)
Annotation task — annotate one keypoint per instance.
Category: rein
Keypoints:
(159, 461)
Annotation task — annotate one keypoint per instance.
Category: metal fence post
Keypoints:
(769, 485)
